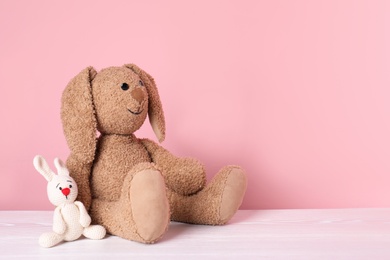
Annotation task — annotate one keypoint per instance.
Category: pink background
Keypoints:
(297, 92)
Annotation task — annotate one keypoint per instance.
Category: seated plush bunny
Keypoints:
(134, 187)
(71, 219)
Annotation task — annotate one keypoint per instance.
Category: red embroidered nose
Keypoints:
(65, 191)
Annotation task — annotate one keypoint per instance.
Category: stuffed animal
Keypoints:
(134, 187)
(71, 219)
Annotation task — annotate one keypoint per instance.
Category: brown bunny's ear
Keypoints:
(78, 116)
(155, 111)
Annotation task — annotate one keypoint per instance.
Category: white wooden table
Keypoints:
(251, 234)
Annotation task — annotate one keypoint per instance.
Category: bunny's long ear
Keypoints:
(42, 167)
(61, 167)
(78, 116)
(155, 111)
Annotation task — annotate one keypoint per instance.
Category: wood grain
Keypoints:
(252, 234)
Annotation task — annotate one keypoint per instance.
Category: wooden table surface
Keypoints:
(252, 234)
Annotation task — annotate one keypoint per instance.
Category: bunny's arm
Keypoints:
(85, 219)
(59, 225)
(81, 172)
(183, 175)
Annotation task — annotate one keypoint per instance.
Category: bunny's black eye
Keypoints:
(140, 83)
(60, 188)
(125, 86)
(70, 186)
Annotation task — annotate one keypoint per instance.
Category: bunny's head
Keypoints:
(115, 100)
(61, 188)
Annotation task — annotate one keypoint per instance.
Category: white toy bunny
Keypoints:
(71, 219)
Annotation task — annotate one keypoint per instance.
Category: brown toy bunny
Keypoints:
(134, 187)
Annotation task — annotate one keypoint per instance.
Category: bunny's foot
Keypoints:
(94, 232)
(50, 239)
(216, 203)
(142, 213)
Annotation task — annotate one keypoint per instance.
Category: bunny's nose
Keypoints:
(138, 95)
(65, 191)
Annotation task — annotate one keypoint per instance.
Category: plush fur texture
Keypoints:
(134, 187)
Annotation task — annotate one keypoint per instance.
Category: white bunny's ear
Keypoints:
(61, 167)
(43, 168)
